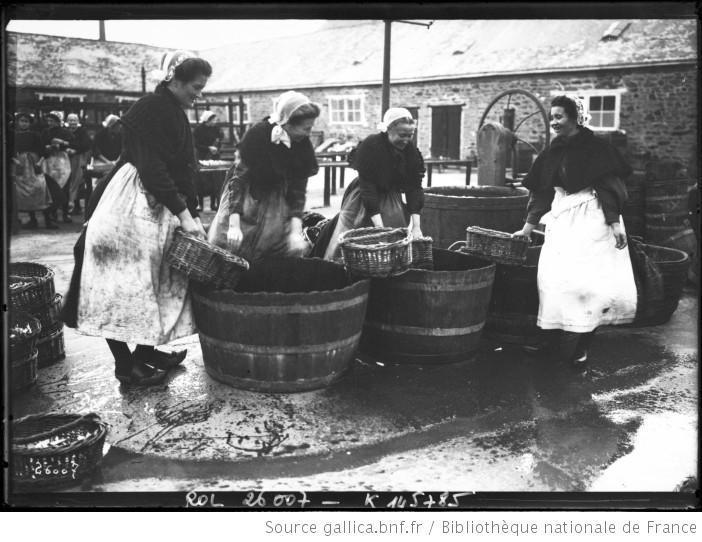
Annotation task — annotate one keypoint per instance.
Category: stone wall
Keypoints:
(658, 107)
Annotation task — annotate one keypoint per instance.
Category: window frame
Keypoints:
(235, 111)
(345, 97)
(598, 93)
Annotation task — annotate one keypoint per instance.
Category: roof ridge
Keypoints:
(94, 40)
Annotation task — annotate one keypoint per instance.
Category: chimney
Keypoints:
(102, 31)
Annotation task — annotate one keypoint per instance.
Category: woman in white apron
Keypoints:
(388, 165)
(127, 291)
(32, 192)
(260, 213)
(585, 278)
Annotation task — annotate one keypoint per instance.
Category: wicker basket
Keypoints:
(23, 372)
(376, 252)
(53, 449)
(496, 245)
(422, 253)
(31, 286)
(24, 332)
(205, 262)
(51, 345)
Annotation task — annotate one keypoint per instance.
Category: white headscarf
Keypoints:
(285, 106)
(170, 61)
(71, 116)
(207, 115)
(110, 120)
(391, 115)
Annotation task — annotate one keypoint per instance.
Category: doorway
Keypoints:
(446, 131)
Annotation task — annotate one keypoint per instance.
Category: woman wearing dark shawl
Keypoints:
(388, 165)
(127, 292)
(585, 278)
(263, 200)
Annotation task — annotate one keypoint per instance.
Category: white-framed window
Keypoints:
(602, 107)
(346, 110)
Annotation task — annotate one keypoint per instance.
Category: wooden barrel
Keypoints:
(430, 316)
(666, 200)
(291, 325)
(514, 305)
(673, 265)
(449, 210)
(634, 213)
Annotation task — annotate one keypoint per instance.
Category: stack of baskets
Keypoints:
(32, 290)
(24, 330)
(204, 262)
(376, 252)
(497, 246)
(55, 449)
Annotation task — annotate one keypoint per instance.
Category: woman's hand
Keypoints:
(377, 220)
(202, 228)
(234, 234)
(189, 225)
(296, 242)
(525, 231)
(212, 149)
(619, 235)
(415, 229)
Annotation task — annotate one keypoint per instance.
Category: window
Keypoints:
(235, 111)
(601, 107)
(57, 97)
(346, 109)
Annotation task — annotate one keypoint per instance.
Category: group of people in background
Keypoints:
(122, 288)
(48, 164)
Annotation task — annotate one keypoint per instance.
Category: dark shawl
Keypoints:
(266, 166)
(588, 162)
(382, 167)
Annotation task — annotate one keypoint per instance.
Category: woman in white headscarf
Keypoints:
(260, 214)
(122, 288)
(388, 165)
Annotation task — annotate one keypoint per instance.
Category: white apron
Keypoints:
(127, 290)
(32, 191)
(58, 166)
(584, 280)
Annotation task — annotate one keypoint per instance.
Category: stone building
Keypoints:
(638, 77)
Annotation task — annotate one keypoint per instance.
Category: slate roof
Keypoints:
(347, 53)
(353, 54)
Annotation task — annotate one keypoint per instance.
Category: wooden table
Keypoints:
(431, 162)
(330, 178)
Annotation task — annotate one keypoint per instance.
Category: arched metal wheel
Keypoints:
(538, 111)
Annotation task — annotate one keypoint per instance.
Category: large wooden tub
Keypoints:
(290, 325)
(449, 210)
(430, 316)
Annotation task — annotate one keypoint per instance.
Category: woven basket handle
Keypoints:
(92, 416)
(371, 236)
(457, 245)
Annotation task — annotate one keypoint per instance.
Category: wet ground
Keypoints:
(503, 422)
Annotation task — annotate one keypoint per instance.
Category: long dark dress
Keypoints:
(266, 188)
(206, 136)
(384, 174)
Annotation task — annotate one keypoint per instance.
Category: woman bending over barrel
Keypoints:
(585, 279)
(128, 293)
(388, 165)
(260, 214)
